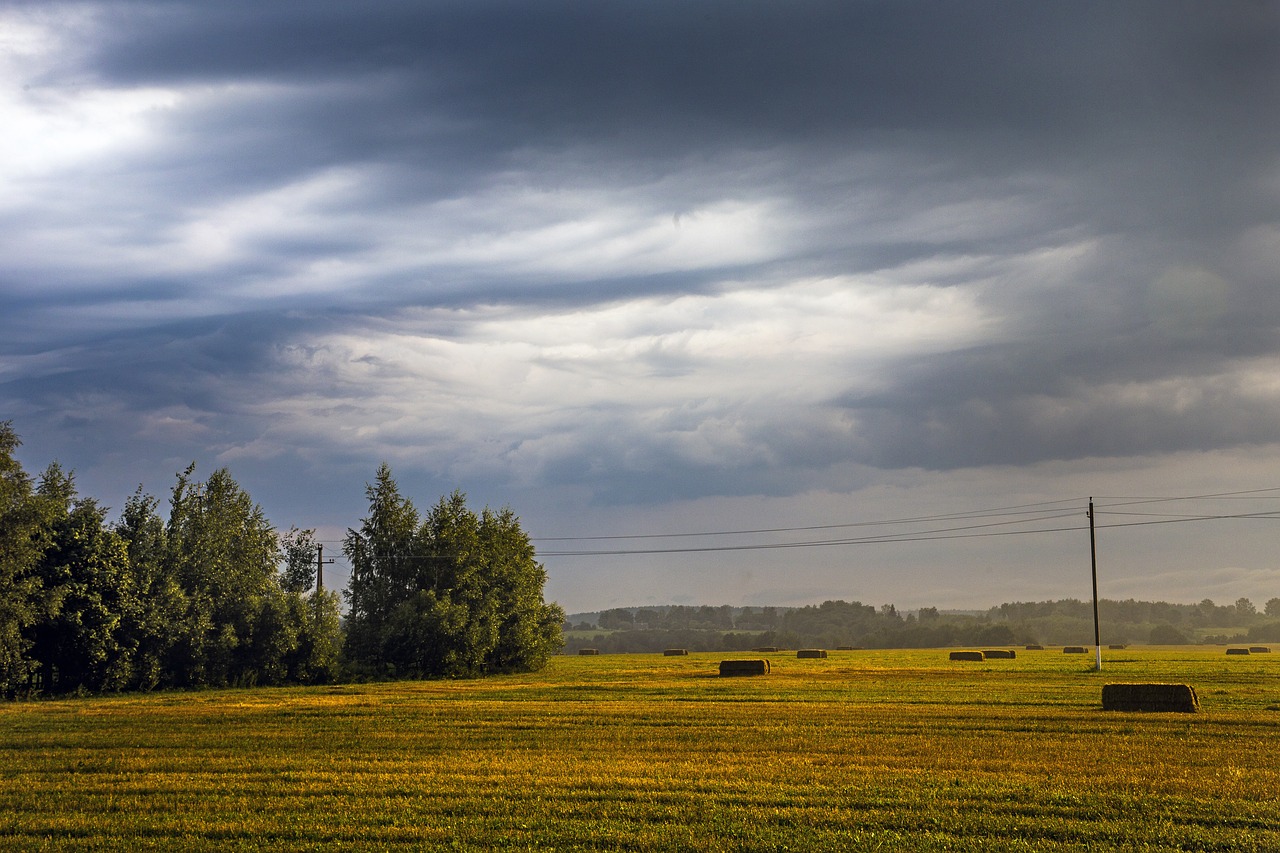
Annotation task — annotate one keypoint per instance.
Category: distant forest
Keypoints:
(833, 624)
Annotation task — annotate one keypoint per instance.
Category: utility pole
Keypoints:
(1093, 563)
(320, 563)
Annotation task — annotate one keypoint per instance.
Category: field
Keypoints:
(863, 750)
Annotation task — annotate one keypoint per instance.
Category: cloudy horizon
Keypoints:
(665, 268)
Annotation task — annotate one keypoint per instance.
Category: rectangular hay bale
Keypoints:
(1005, 654)
(588, 651)
(672, 653)
(1259, 650)
(1237, 651)
(744, 667)
(968, 656)
(811, 653)
(1074, 650)
(1150, 697)
(1035, 647)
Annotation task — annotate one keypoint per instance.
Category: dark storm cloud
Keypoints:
(1001, 83)
(892, 134)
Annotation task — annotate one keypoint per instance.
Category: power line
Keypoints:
(1249, 494)
(1049, 506)
(992, 517)
(962, 532)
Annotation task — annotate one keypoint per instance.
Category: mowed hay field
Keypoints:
(862, 750)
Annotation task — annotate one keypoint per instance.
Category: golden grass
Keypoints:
(860, 751)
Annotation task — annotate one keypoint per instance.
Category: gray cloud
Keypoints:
(635, 254)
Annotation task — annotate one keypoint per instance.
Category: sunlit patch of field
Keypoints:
(895, 750)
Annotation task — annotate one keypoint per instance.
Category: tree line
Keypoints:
(210, 594)
(833, 624)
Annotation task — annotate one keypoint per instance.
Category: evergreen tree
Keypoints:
(384, 568)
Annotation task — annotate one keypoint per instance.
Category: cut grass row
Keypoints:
(861, 750)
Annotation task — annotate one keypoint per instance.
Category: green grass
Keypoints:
(894, 750)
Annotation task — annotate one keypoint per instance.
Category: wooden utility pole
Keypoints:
(1093, 563)
(320, 561)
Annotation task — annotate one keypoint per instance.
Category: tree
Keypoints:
(80, 642)
(153, 624)
(1273, 607)
(453, 594)
(617, 618)
(383, 567)
(23, 539)
(1244, 607)
(299, 550)
(313, 614)
(528, 629)
(1167, 635)
(224, 553)
(317, 656)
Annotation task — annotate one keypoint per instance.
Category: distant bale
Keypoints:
(1000, 653)
(968, 656)
(1074, 650)
(671, 653)
(1117, 646)
(765, 649)
(849, 648)
(1150, 697)
(1237, 651)
(1259, 650)
(744, 667)
(1035, 647)
(588, 651)
(811, 653)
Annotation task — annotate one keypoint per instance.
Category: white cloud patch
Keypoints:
(707, 377)
(58, 129)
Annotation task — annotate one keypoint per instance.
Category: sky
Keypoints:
(660, 274)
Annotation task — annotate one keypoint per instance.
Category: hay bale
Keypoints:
(1000, 653)
(588, 651)
(1237, 651)
(765, 649)
(968, 656)
(1150, 697)
(744, 667)
(1259, 650)
(811, 653)
(1074, 650)
(1035, 647)
(848, 648)
(1117, 646)
(671, 653)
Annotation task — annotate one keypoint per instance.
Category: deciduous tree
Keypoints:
(23, 539)
(454, 593)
